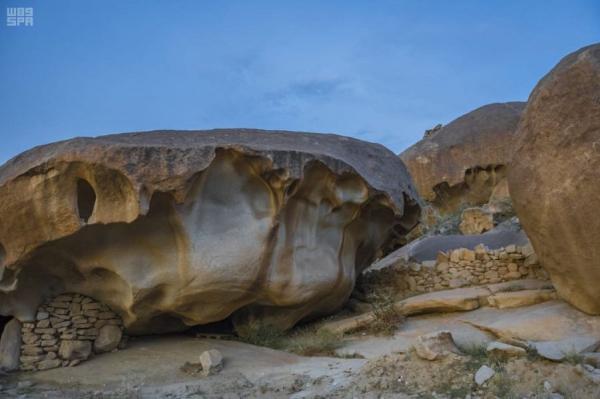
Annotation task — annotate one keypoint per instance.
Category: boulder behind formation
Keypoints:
(554, 178)
(465, 161)
(172, 229)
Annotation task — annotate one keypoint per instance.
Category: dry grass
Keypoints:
(305, 341)
(387, 318)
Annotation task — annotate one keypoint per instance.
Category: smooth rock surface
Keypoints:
(555, 172)
(211, 361)
(109, 337)
(10, 346)
(483, 374)
(172, 229)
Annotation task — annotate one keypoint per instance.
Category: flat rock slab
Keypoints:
(561, 349)
(502, 300)
(154, 363)
(427, 248)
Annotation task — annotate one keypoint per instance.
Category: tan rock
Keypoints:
(70, 350)
(108, 339)
(256, 212)
(464, 161)
(476, 221)
(435, 345)
(515, 299)
(211, 361)
(554, 174)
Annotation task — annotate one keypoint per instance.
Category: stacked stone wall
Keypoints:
(68, 329)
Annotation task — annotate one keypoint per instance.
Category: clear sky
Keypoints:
(382, 71)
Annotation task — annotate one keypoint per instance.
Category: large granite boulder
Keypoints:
(554, 177)
(172, 229)
(465, 161)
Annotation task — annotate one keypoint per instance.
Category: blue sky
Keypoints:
(382, 71)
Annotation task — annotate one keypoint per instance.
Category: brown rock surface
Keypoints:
(172, 229)
(555, 174)
(465, 160)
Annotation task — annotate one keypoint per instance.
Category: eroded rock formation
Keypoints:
(172, 229)
(465, 161)
(555, 174)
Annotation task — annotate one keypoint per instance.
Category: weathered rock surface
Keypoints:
(435, 345)
(171, 229)
(555, 172)
(464, 161)
(476, 221)
(109, 337)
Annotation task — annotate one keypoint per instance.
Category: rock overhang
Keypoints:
(146, 180)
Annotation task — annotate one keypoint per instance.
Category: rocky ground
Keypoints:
(362, 364)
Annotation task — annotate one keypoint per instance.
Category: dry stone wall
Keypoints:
(458, 268)
(67, 330)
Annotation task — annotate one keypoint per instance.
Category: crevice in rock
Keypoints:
(86, 200)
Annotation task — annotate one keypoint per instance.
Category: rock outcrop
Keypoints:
(465, 161)
(555, 174)
(172, 229)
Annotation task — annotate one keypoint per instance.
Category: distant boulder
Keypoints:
(464, 162)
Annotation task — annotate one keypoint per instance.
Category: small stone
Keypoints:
(442, 267)
(42, 316)
(510, 248)
(49, 342)
(70, 350)
(90, 306)
(211, 361)
(108, 338)
(468, 255)
(75, 308)
(45, 331)
(428, 264)
(48, 364)
(106, 315)
(29, 350)
(43, 323)
(61, 305)
(483, 374)
(435, 345)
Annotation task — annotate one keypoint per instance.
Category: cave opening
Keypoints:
(86, 200)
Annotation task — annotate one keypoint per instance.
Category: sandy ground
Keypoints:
(150, 367)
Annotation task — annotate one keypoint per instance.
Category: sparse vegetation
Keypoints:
(573, 357)
(305, 341)
(387, 317)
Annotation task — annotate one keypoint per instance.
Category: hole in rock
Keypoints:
(86, 200)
